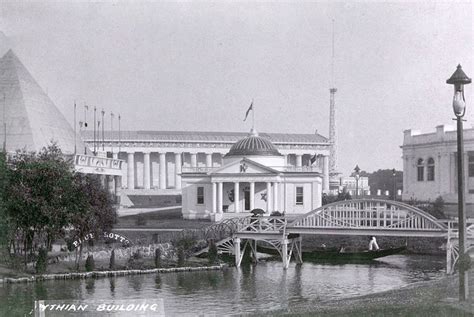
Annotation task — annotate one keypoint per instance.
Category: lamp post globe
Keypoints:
(458, 79)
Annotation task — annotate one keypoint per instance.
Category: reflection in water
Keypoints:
(237, 290)
(90, 286)
(158, 281)
(112, 286)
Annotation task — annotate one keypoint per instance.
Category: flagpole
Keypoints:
(111, 133)
(75, 132)
(95, 123)
(253, 116)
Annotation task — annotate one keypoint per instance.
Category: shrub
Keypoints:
(181, 256)
(90, 264)
(157, 257)
(112, 260)
(42, 261)
(136, 261)
(141, 220)
(212, 254)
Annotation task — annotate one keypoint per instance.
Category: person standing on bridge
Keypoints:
(373, 244)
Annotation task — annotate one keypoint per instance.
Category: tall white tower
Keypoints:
(332, 133)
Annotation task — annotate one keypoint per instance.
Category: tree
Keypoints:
(95, 214)
(40, 198)
(6, 229)
(330, 198)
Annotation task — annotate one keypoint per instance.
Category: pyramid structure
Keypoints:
(32, 119)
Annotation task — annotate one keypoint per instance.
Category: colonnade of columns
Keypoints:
(163, 175)
(272, 203)
(113, 184)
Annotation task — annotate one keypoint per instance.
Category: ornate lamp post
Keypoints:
(459, 79)
(357, 176)
(394, 174)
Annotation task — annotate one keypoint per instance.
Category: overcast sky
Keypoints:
(197, 66)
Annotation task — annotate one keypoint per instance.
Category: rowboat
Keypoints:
(335, 255)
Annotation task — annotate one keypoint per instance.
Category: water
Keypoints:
(264, 287)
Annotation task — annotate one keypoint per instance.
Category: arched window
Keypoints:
(431, 170)
(420, 168)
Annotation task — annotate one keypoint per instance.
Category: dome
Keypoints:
(253, 145)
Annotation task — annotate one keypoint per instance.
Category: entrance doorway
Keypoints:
(247, 199)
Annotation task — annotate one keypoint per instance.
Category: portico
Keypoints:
(253, 175)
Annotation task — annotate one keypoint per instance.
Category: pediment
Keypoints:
(242, 167)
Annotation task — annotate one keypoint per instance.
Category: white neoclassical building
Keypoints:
(154, 160)
(253, 174)
(429, 165)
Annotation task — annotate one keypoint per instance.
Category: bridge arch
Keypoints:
(381, 216)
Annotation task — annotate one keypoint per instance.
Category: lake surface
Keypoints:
(249, 289)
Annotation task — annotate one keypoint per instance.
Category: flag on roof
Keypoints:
(248, 110)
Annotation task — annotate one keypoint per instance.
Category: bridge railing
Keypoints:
(263, 225)
(453, 228)
(363, 218)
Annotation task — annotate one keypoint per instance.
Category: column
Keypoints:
(115, 156)
(252, 195)
(220, 189)
(269, 195)
(285, 160)
(193, 159)
(110, 184)
(162, 170)
(275, 196)
(177, 170)
(236, 197)
(118, 188)
(146, 170)
(208, 159)
(214, 198)
(325, 174)
(237, 251)
(130, 171)
(299, 160)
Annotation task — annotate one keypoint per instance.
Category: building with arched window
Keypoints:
(430, 164)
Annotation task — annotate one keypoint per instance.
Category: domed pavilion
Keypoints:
(253, 175)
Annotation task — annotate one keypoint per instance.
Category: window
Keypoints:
(471, 164)
(299, 195)
(431, 170)
(200, 195)
(420, 167)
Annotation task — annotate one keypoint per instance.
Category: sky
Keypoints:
(198, 65)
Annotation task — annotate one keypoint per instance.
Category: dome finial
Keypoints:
(253, 132)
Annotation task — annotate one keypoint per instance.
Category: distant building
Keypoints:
(253, 174)
(430, 164)
(353, 187)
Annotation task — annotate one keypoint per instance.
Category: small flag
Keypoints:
(248, 110)
(86, 107)
(98, 123)
(112, 114)
(313, 158)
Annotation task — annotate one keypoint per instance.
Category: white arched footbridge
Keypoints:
(350, 217)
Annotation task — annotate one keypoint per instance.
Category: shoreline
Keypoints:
(99, 274)
(424, 298)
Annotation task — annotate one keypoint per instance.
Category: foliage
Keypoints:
(212, 254)
(112, 260)
(157, 257)
(90, 263)
(42, 200)
(141, 220)
(330, 198)
(136, 261)
(181, 256)
(435, 209)
(6, 228)
(42, 261)
(384, 180)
